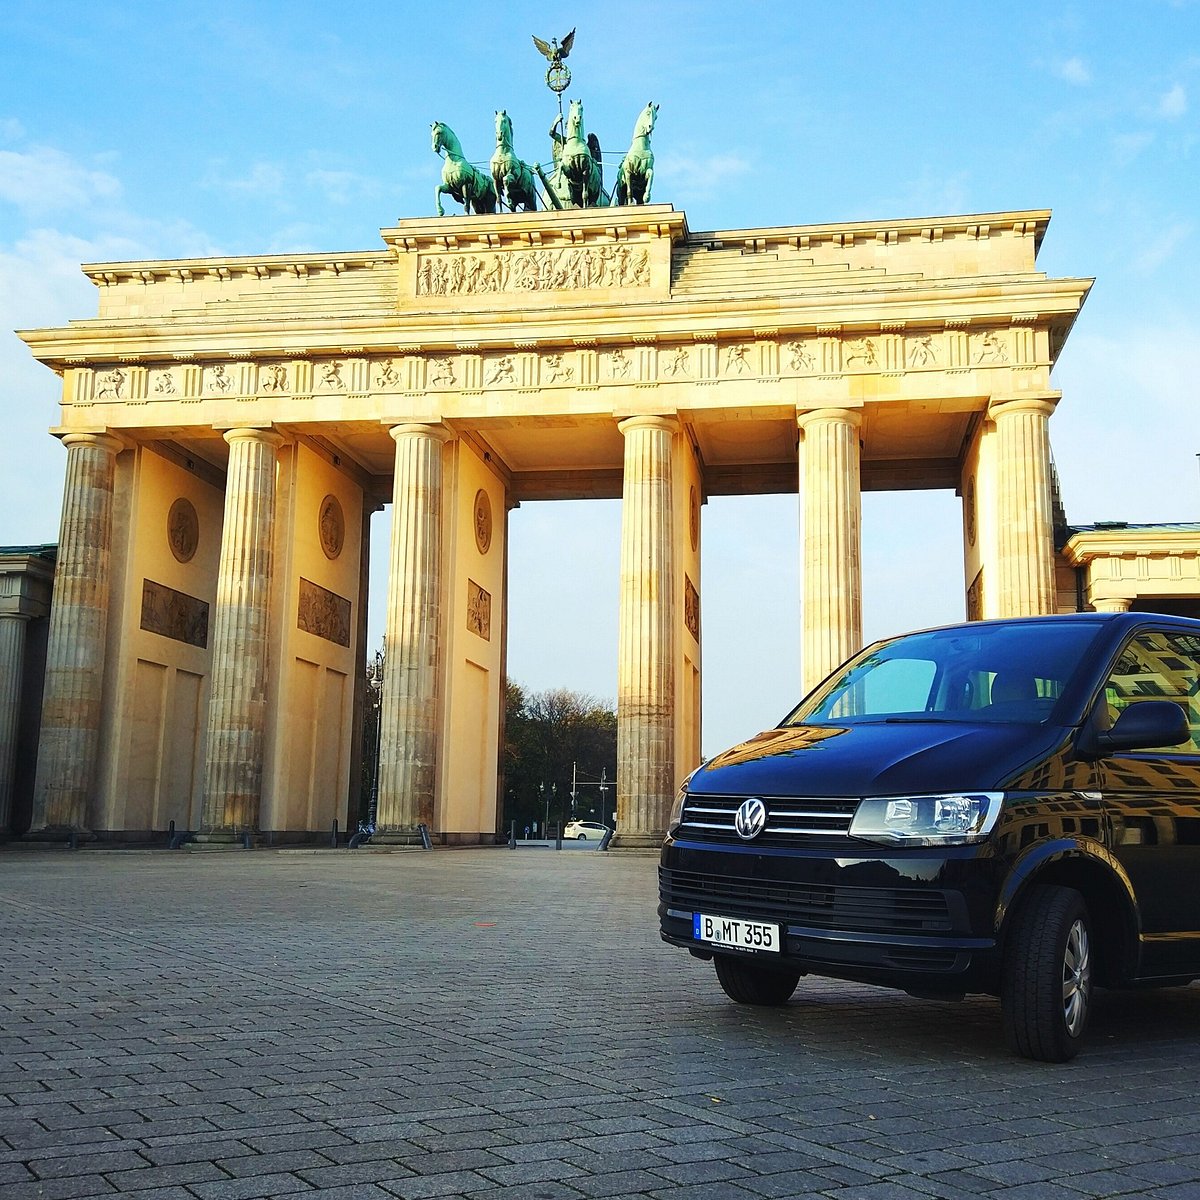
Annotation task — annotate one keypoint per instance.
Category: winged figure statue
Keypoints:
(556, 51)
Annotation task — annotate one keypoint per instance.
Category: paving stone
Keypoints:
(361, 1036)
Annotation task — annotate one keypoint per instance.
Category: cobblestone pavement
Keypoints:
(225, 1026)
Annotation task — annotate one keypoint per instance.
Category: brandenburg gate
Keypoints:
(231, 424)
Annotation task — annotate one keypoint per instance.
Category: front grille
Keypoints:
(790, 821)
(819, 906)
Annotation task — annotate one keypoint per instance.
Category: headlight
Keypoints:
(676, 817)
(953, 820)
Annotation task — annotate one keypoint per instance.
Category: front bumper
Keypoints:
(909, 920)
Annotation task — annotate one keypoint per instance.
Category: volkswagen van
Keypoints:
(1004, 807)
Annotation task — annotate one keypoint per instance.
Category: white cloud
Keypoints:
(1127, 146)
(341, 187)
(1161, 248)
(262, 179)
(11, 129)
(46, 180)
(698, 176)
(1173, 104)
(1075, 70)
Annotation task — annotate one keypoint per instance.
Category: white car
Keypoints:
(581, 830)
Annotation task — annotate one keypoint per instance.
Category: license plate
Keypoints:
(734, 933)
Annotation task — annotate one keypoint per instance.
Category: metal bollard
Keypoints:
(334, 836)
(512, 835)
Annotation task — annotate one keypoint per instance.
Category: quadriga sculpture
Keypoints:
(512, 178)
(636, 172)
(472, 188)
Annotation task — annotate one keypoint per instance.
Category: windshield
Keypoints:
(987, 672)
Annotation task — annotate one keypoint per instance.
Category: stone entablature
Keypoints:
(1124, 563)
(824, 354)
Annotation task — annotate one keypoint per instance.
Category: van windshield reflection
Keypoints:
(1006, 673)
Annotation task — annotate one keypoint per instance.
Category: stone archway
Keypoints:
(208, 667)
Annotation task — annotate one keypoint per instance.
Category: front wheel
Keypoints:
(748, 982)
(1047, 987)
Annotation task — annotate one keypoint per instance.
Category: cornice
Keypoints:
(262, 266)
(1037, 301)
(1088, 545)
(505, 230)
(1014, 223)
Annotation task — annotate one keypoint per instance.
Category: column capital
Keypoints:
(841, 415)
(108, 442)
(429, 429)
(1014, 402)
(1112, 603)
(668, 424)
(251, 433)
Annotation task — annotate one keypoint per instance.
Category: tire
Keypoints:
(747, 982)
(1046, 992)
(581, 837)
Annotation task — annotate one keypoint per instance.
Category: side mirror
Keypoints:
(1143, 725)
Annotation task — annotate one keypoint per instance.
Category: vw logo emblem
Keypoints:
(750, 818)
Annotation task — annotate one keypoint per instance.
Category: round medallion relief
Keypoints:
(183, 530)
(333, 527)
(694, 518)
(970, 507)
(483, 521)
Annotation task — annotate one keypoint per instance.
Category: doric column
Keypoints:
(831, 496)
(237, 710)
(645, 653)
(1112, 604)
(12, 670)
(1025, 549)
(71, 704)
(409, 738)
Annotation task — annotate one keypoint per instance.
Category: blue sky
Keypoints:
(159, 130)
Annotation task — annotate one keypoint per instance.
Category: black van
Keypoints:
(1008, 807)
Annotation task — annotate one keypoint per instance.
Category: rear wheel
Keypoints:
(748, 982)
(1046, 995)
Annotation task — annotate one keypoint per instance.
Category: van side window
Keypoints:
(1158, 666)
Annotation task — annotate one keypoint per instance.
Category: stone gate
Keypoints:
(230, 425)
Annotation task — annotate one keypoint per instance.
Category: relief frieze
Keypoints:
(565, 268)
(691, 608)
(323, 613)
(479, 611)
(174, 615)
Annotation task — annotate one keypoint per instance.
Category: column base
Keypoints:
(396, 837)
(223, 839)
(636, 841)
(58, 833)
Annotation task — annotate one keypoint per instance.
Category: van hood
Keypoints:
(899, 757)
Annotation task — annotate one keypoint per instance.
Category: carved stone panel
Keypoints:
(483, 521)
(174, 615)
(183, 530)
(691, 608)
(479, 610)
(323, 613)
(332, 523)
(559, 268)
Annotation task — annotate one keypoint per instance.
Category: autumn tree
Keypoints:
(546, 734)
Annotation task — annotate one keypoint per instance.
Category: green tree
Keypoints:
(547, 735)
